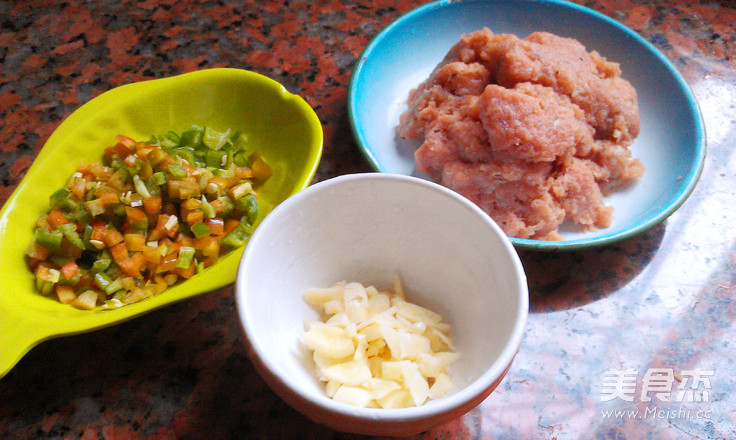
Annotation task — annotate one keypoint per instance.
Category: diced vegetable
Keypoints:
(149, 214)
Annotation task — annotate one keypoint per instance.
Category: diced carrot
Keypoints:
(144, 150)
(37, 252)
(123, 148)
(231, 224)
(261, 170)
(168, 262)
(85, 168)
(119, 253)
(70, 270)
(99, 230)
(184, 240)
(209, 246)
(203, 242)
(84, 281)
(209, 261)
(193, 217)
(191, 204)
(130, 160)
(146, 170)
(69, 250)
(243, 173)
(57, 218)
(152, 205)
(127, 141)
(109, 198)
(135, 215)
(218, 183)
(135, 242)
(113, 236)
(79, 188)
(152, 254)
(156, 156)
(186, 273)
(100, 171)
(216, 225)
(133, 265)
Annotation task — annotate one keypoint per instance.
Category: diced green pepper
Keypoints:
(185, 153)
(70, 232)
(240, 142)
(191, 138)
(158, 178)
(200, 230)
(248, 205)
(102, 280)
(60, 198)
(43, 286)
(238, 236)
(208, 211)
(214, 158)
(113, 287)
(101, 264)
(186, 255)
(177, 171)
(49, 239)
(240, 160)
(213, 139)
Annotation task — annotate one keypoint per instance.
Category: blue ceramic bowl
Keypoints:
(672, 140)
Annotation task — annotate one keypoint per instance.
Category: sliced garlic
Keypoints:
(375, 349)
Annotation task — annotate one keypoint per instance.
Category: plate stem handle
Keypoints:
(17, 336)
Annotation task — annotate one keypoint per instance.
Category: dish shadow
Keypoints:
(569, 279)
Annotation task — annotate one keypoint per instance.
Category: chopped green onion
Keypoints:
(140, 187)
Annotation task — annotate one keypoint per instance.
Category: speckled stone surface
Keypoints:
(663, 299)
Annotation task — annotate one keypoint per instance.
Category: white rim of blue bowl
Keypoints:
(432, 407)
(524, 243)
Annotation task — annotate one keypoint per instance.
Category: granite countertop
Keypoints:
(660, 301)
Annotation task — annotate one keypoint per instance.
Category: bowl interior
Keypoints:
(672, 140)
(366, 228)
(279, 125)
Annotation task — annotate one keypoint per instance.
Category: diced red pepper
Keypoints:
(152, 205)
(133, 265)
(186, 273)
(216, 225)
(113, 236)
(119, 253)
(70, 270)
(57, 218)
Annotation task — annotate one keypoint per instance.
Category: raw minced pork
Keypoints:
(535, 131)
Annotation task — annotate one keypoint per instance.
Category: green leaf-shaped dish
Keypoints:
(280, 125)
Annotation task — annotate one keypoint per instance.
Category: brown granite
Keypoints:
(663, 299)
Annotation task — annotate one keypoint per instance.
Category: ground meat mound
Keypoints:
(535, 131)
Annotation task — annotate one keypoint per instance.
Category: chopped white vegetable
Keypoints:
(375, 349)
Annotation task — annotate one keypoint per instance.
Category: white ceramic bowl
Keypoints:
(367, 227)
